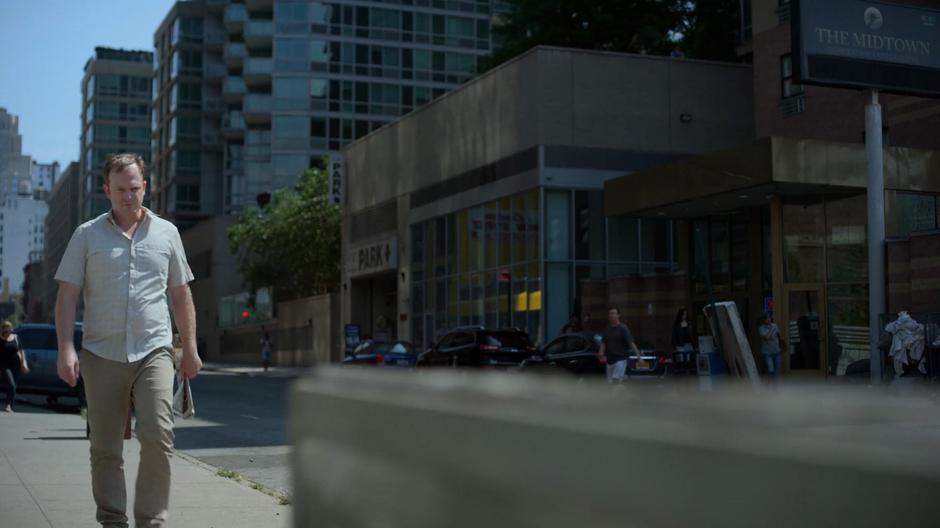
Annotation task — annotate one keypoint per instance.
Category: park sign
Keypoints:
(866, 44)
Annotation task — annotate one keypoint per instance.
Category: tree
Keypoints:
(613, 25)
(705, 29)
(711, 29)
(293, 243)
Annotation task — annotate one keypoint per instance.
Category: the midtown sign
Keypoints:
(866, 44)
(869, 41)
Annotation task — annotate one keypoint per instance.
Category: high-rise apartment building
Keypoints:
(317, 75)
(187, 113)
(14, 166)
(58, 229)
(115, 117)
(44, 176)
(301, 79)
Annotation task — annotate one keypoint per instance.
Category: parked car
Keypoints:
(576, 354)
(42, 352)
(395, 353)
(475, 346)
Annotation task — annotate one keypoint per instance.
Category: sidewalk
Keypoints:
(255, 371)
(45, 480)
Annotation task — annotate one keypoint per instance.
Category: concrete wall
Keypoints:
(554, 96)
(466, 450)
(311, 323)
(209, 240)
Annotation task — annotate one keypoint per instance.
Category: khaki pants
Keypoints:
(108, 388)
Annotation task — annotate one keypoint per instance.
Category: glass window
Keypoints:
(720, 254)
(294, 87)
(460, 62)
(803, 239)
(740, 252)
(504, 217)
(289, 126)
(557, 225)
(460, 27)
(417, 252)
(559, 305)
(915, 212)
(422, 23)
(847, 239)
(624, 244)
(533, 221)
(386, 18)
(590, 225)
(789, 88)
(422, 59)
(490, 234)
(477, 233)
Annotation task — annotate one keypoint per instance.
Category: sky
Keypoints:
(44, 45)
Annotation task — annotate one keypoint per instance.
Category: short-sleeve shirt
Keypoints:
(125, 283)
(617, 340)
(770, 340)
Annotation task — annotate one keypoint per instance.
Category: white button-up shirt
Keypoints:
(125, 282)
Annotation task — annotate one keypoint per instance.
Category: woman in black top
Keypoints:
(9, 363)
(683, 339)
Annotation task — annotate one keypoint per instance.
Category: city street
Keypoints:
(240, 425)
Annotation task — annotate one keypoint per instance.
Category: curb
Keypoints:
(277, 495)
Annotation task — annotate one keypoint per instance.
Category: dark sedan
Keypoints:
(475, 346)
(42, 352)
(577, 355)
(383, 353)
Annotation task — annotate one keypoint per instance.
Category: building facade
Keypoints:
(14, 166)
(186, 173)
(306, 78)
(22, 218)
(779, 223)
(44, 176)
(58, 229)
(116, 102)
(486, 207)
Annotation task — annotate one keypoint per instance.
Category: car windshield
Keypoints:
(508, 339)
(392, 348)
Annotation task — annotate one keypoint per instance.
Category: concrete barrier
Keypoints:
(377, 448)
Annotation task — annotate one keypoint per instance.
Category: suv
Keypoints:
(475, 346)
(41, 346)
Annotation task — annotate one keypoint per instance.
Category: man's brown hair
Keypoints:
(118, 162)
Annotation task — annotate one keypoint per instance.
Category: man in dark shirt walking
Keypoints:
(617, 338)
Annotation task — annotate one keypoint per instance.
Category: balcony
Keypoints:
(214, 38)
(235, 17)
(260, 5)
(234, 54)
(259, 32)
(258, 70)
(214, 71)
(233, 125)
(233, 89)
(212, 104)
(257, 108)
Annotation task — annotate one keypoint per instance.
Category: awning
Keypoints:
(747, 176)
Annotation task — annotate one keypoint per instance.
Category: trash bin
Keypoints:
(709, 361)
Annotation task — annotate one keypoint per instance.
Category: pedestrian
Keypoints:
(573, 325)
(683, 339)
(129, 262)
(266, 351)
(770, 343)
(12, 362)
(616, 341)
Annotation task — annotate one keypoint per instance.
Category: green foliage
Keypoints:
(293, 244)
(704, 29)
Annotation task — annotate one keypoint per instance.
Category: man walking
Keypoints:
(127, 260)
(617, 339)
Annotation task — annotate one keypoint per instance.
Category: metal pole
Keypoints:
(876, 229)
